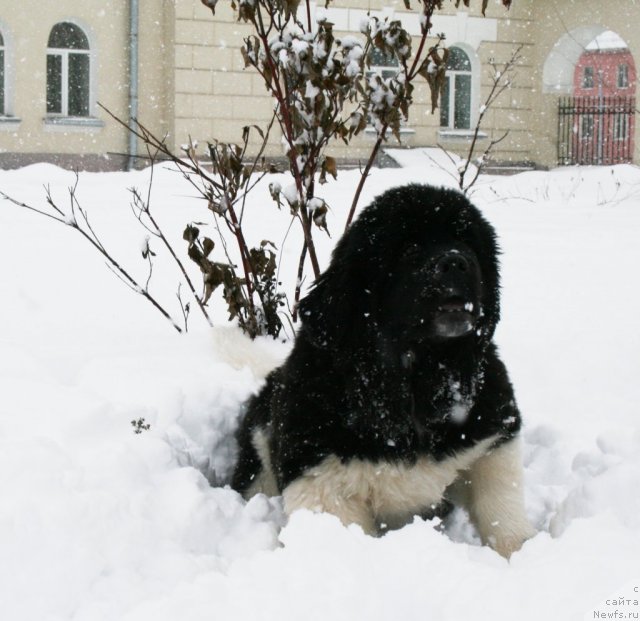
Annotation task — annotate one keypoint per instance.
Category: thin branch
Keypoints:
(284, 239)
(415, 66)
(192, 166)
(18, 203)
(182, 268)
(299, 282)
(410, 74)
(146, 136)
(443, 168)
(254, 166)
(184, 307)
(497, 88)
(90, 235)
(146, 208)
(150, 261)
(121, 278)
(484, 157)
(364, 175)
(288, 133)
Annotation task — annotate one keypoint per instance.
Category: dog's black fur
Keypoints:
(394, 359)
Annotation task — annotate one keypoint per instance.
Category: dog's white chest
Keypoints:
(391, 491)
(397, 488)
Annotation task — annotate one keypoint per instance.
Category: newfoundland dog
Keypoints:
(394, 402)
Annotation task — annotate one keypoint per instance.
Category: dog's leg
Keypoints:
(496, 500)
(335, 488)
(265, 481)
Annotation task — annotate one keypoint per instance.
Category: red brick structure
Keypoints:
(604, 84)
(606, 72)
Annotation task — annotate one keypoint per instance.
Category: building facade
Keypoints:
(602, 127)
(61, 61)
(66, 67)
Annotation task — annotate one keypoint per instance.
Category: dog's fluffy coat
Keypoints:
(393, 400)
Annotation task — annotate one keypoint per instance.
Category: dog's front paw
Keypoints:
(507, 544)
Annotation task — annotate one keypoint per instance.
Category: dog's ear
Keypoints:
(328, 313)
(480, 235)
(338, 311)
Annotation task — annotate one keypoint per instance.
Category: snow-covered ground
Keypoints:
(98, 523)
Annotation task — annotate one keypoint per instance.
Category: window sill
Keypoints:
(370, 129)
(460, 134)
(73, 121)
(9, 121)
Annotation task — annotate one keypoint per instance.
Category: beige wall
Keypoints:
(216, 96)
(156, 77)
(193, 83)
(575, 20)
(26, 31)
(512, 111)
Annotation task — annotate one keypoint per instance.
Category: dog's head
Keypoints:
(418, 269)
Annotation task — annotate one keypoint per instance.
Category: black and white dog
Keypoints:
(393, 401)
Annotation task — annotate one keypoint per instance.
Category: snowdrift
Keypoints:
(99, 523)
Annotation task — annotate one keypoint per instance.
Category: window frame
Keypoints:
(64, 55)
(385, 71)
(588, 77)
(622, 79)
(3, 73)
(474, 76)
(7, 118)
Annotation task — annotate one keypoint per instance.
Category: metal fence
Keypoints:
(595, 130)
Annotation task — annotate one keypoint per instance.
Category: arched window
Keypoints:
(455, 101)
(68, 71)
(2, 72)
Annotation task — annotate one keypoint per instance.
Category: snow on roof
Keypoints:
(607, 40)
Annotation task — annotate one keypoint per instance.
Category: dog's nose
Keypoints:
(450, 263)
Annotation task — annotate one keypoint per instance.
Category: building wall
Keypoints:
(156, 75)
(26, 133)
(216, 96)
(511, 112)
(605, 73)
(193, 84)
(603, 133)
(563, 29)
